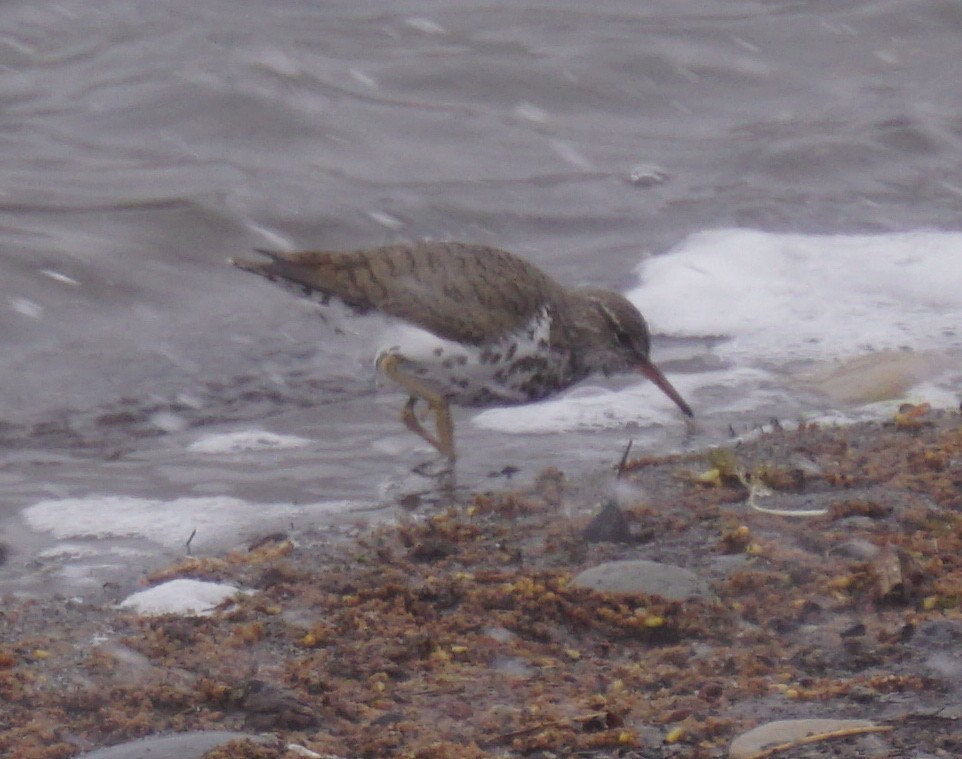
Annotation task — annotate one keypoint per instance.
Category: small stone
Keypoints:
(857, 548)
(608, 526)
(181, 746)
(269, 707)
(642, 576)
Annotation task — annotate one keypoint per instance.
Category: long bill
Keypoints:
(653, 373)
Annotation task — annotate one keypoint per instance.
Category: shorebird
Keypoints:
(492, 329)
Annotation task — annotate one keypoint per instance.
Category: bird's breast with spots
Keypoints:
(518, 368)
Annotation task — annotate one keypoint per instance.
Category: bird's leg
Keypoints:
(422, 415)
(444, 441)
(389, 363)
(410, 419)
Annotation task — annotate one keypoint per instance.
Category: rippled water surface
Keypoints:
(142, 144)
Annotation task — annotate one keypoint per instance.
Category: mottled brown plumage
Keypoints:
(495, 291)
(505, 331)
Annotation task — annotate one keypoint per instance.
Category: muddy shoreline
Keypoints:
(464, 632)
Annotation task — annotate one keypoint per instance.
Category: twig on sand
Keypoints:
(620, 469)
(847, 732)
(541, 726)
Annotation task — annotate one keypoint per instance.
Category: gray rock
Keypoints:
(179, 746)
(641, 576)
(608, 526)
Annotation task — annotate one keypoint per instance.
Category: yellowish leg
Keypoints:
(444, 441)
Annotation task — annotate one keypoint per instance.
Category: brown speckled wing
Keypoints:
(469, 293)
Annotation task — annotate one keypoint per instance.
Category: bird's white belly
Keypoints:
(504, 372)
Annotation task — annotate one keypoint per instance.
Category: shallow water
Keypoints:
(143, 144)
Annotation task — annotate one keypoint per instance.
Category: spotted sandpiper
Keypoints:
(491, 329)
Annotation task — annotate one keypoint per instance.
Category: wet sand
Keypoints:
(463, 632)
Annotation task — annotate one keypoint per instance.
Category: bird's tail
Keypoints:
(313, 274)
(274, 267)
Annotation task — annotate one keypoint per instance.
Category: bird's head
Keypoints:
(624, 342)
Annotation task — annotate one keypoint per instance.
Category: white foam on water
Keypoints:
(775, 301)
(246, 441)
(425, 25)
(591, 407)
(60, 277)
(217, 520)
(790, 296)
(27, 307)
(187, 597)
(275, 239)
(366, 79)
(70, 551)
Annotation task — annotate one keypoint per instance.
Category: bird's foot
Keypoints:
(441, 470)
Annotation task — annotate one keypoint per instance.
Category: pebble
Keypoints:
(181, 596)
(181, 746)
(642, 576)
(608, 526)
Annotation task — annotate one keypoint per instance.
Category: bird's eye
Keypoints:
(621, 334)
(626, 338)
